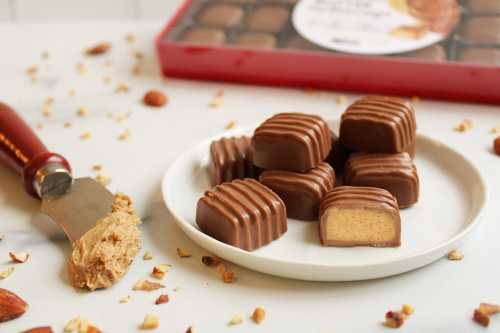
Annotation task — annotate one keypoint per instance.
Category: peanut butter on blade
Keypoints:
(104, 253)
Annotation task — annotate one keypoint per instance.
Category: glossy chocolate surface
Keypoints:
(395, 173)
(231, 158)
(291, 141)
(378, 124)
(301, 192)
(242, 213)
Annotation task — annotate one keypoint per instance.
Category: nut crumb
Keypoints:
(258, 315)
(47, 110)
(163, 298)
(80, 325)
(72, 92)
(97, 167)
(99, 48)
(129, 38)
(6, 273)
(103, 180)
(85, 136)
(122, 88)
(82, 112)
(221, 269)
(125, 299)
(228, 277)
(138, 55)
(464, 126)
(216, 102)
(81, 68)
(40, 329)
(151, 321)
(32, 71)
(124, 136)
(136, 69)
(148, 255)
(45, 55)
(230, 125)
(183, 253)
(191, 329)
(394, 319)
(159, 271)
(236, 320)
(495, 130)
(210, 261)
(19, 257)
(146, 285)
(481, 318)
(341, 99)
(67, 124)
(39, 126)
(93, 329)
(455, 255)
(407, 310)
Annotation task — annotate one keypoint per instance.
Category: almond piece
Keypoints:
(210, 261)
(489, 309)
(124, 300)
(148, 255)
(258, 315)
(41, 329)
(407, 310)
(6, 273)
(228, 277)
(236, 320)
(163, 298)
(455, 255)
(99, 48)
(155, 98)
(183, 253)
(394, 319)
(11, 305)
(159, 271)
(146, 285)
(481, 318)
(230, 125)
(150, 322)
(93, 329)
(19, 257)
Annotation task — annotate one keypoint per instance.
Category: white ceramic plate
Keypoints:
(452, 195)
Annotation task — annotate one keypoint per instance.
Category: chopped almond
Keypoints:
(125, 299)
(93, 329)
(146, 285)
(489, 309)
(481, 318)
(159, 271)
(230, 125)
(80, 325)
(394, 319)
(124, 135)
(47, 110)
(341, 99)
(183, 253)
(122, 88)
(67, 125)
(407, 310)
(210, 261)
(258, 315)
(455, 255)
(236, 320)
(97, 167)
(39, 126)
(464, 126)
(129, 38)
(6, 273)
(32, 70)
(228, 277)
(45, 55)
(19, 257)
(85, 136)
(221, 269)
(150, 322)
(148, 255)
(103, 180)
(216, 102)
(82, 112)
(99, 48)
(163, 298)
(495, 130)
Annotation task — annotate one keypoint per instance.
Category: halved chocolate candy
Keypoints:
(359, 216)
(301, 192)
(395, 173)
(231, 158)
(291, 141)
(242, 213)
(378, 124)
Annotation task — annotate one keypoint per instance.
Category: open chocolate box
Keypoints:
(444, 49)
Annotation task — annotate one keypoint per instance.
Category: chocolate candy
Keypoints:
(242, 213)
(481, 29)
(221, 15)
(256, 40)
(433, 53)
(301, 192)
(483, 6)
(353, 216)
(395, 173)
(268, 18)
(204, 36)
(291, 141)
(378, 124)
(231, 158)
(481, 56)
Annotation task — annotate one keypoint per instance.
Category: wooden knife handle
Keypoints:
(22, 150)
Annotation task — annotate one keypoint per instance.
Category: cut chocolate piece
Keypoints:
(481, 29)
(482, 56)
(291, 141)
(395, 173)
(359, 216)
(242, 213)
(221, 15)
(301, 192)
(204, 36)
(256, 40)
(268, 18)
(378, 124)
(231, 158)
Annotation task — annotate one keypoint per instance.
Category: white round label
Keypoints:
(364, 26)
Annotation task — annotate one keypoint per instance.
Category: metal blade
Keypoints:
(78, 210)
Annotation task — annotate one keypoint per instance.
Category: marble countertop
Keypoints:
(444, 294)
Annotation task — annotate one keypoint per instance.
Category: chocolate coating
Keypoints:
(395, 173)
(434, 53)
(242, 213)
(338, 155)
(204, 36)
(291, 141)
(378, 124)
(256, 40)
(482, 6)
(221, 15)
(359, 216)
(481, 29)
(231, 158)
(301, 192)
(268, 18)
(481, 56)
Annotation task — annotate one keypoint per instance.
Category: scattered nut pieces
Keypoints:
(455, 255)
(41, 329)
(230, 125)
(394, 319)
(39, 126)
(407, 310)
(85, 136)
(67, 124)
(99, 48)
(125, 299)
(32, 71)
(124, 136)
(19, 257)
(11, 305)
(221, 269)
(489, 309)
(163, 298)
(6, 273)
(155, 98)
(481, 318)
(464, 126)
(81, 68)
(495, 130)
(183, 253)
(258, 315)
(151, 321)
(146, 285)
(122, 88)
(191, 329)
(236, 320)
(159, 271)
(138, 55)
(148, 255)
(103, 180)
(82, 112)
(93, 329)
(97, 167)
(496, 145)
(341, 99)
(216, 102)
(78, 324)
(228, 277)
(45, 55)
(47, 110)
(210, 261)
(129, 38)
